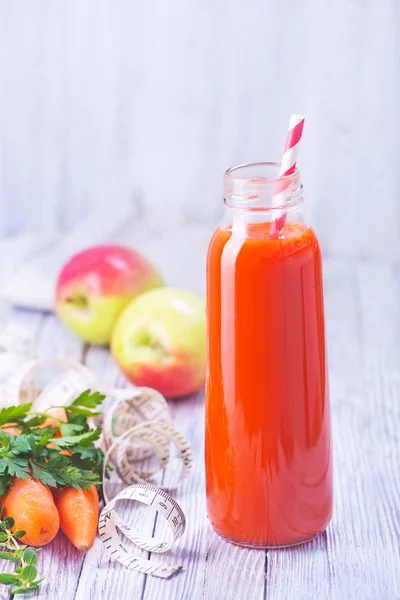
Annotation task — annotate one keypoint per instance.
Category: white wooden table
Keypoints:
(358, 557)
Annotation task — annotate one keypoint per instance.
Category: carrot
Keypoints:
(31, 505)
(9, 428)
(79, 513)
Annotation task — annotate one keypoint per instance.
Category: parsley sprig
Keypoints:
(23, 579)
(29, 455)
(71, 460)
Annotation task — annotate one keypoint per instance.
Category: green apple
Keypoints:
(159, 341)
(95, 285)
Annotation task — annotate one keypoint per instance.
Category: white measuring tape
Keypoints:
(131, 407)
(166, 506)
(136, 420)
(137, 425)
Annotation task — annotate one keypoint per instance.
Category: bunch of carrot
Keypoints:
(41, 511)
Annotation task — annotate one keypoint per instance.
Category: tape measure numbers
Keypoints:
(165, 506)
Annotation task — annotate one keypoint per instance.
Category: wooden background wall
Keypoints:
(103, 100)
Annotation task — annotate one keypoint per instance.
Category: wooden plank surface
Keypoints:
(358, 557)
(363, 544)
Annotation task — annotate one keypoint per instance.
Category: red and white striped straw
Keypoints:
(288, 165)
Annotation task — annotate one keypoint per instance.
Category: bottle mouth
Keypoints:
(258, 186)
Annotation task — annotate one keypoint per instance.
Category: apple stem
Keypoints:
(79, 300)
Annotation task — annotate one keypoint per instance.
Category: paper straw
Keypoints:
(288, 166)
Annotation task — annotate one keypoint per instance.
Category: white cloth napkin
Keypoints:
(29, 273)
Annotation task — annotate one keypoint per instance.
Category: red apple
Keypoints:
(159, 341)
(95, 285)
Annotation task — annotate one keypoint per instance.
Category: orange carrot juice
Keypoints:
(268, 440)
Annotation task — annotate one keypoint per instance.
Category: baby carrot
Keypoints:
(32, 507)
(10, 428)
(79, 513)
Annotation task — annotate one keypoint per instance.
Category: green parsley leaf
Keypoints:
(14, 413)
(88, 399)
(85, 412)
(83, 440)
(70, 429)
(7, 523)
(5, 482)
(23, 579)
(29, 573)
(9, 556)
(42, 474)
(88, 458)
(17, 589)
(30, 556)
(79, 419)
(8, 578)
(17, 467)
(5, 441)
(20, 444)
(41, 437)
(34, 422)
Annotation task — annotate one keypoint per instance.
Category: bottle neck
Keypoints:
(255, 193)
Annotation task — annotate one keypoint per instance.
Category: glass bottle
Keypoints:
(268, 437)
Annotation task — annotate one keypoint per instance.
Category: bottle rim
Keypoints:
(258, 186)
